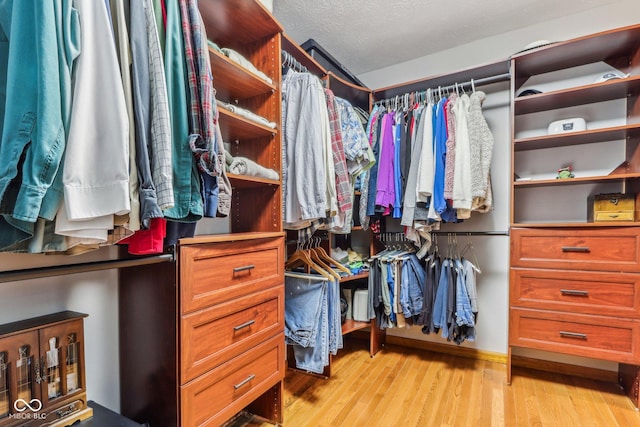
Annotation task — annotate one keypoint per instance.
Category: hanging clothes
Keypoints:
(462, 191)
(188, 202)
(36, 58)
(123, 49)
(306, 140)
(205, 139)
(481, 142)
(324, 151)
(432, 161)
(96, 165)
(117, 175)
(436, 294)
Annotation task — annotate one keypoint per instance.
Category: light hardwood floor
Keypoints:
(407, 387)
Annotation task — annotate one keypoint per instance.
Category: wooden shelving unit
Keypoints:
(179, 372)
(560, 266)
(577, 138)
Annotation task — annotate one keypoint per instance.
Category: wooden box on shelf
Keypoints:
(612, 207)
(42, 380)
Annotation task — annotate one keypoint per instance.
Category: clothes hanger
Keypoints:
(302, 258)
(435, 251)
(405, 248)
(474, 258)
(330, 260)
(327, 267)
(315, 256)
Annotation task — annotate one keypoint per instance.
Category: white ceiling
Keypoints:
(366, 35)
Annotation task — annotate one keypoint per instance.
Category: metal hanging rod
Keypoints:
(288, 60)
(60, 270)
(472, 233)
(467, 84)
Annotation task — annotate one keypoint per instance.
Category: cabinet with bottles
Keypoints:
(42, 379)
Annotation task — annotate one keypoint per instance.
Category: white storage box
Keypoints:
(360, 302)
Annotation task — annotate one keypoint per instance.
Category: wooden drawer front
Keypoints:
(219, 394)
(597, 337)
(212, 336)
(218, 272)
(611, 294)
(615, 216)
(612, 249)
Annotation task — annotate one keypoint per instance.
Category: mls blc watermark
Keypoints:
(28, 410)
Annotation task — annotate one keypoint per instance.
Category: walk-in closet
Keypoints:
(301, 213)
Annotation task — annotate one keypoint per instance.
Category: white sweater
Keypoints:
(462, 196)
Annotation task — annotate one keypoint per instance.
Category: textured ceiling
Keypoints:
(366, 35)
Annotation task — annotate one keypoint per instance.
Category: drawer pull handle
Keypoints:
(244, 325)
(574, 292)
(243, 382)
(583, 249)
(243, 268)
(564, 334)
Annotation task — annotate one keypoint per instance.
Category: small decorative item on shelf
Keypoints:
(576, 124)
(565, 172)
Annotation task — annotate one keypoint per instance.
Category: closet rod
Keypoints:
(306, 276)
(290, 61)
(470, 83)
(472, 233)
(60, 270)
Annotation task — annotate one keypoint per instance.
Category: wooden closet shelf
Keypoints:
(237, 22)
(573, 181)
(359, 276)
(588, 94)
(243, 181)
(236, 128)
(577, 138)
(233, 82)
(82, 267)
(574, 224)
(351, 325)
(607, 45)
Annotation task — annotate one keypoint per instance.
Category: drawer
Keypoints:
(598, 337)
(216, 396)
(212, 336)
(606, 249)
(218, 272)
(588, 292)
(615, 216)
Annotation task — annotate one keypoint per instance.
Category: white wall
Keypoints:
(95, 294)
(493, 251)
(624, 12)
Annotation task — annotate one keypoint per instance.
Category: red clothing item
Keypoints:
(147, 242)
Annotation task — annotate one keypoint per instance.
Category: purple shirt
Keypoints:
(385, 192)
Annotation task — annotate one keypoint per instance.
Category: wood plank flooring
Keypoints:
(407, 387)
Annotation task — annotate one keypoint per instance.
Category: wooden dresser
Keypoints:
(213, 344)
(576, 292)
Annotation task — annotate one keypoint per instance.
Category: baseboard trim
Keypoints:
(472, 353)
(565, 369)
(519, 361)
